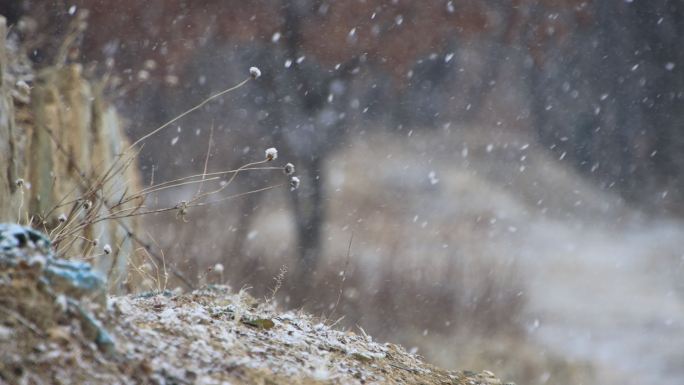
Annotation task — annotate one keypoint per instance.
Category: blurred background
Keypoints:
(493, 184)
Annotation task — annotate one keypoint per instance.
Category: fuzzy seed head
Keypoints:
(289, 169)
(62, 218)
(271, 154)
(294, 183)
(23, 88)
(147, 267)
(254, 72)
(107, 249)
(218, 268)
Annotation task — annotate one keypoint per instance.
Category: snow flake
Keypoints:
(432, 176)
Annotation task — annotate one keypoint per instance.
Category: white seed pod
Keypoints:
(107, 249)
(218, 268)
(271, 154)
(294, 183)
(23, 86)
(289, 169)
(254, 72)
(147, 267)
(87, 204)
(19, 182)
(24, 91)
(62, 218)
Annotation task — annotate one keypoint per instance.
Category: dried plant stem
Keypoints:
(232, 178)
(109, 198)
(238, 195)
(195, 108)
(206, 159)
(344, 275)
(116, 215)
(175, 182)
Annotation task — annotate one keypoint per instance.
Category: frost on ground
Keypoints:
(211, 336)
(52, 328)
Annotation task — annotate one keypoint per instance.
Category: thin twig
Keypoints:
(206, 159)
(209, 174)
(237, 195)
(205, 101)
(344, 274)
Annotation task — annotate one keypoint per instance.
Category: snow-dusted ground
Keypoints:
(608, 295)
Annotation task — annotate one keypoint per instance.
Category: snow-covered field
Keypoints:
(608, 294)
(600, 277)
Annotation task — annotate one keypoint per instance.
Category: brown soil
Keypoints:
(210, 336)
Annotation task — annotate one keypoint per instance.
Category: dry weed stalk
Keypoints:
(278, 279)
(105, 199)
(343, 277)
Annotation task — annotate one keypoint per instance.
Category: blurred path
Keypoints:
(609, 296)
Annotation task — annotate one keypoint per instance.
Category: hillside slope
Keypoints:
(56, 326)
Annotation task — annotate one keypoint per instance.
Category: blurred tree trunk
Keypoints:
(308, 202)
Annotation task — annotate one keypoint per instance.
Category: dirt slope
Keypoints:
(211, 337)
(57, 327)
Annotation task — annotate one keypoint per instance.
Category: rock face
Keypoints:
(58, 136)
(56, 326)
(40, 291)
